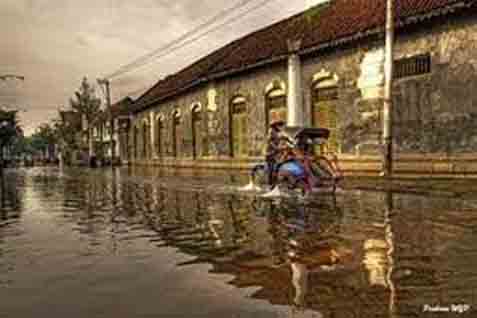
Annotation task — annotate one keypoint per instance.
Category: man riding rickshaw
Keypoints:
(290, 160)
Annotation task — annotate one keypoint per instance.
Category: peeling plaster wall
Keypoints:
(345, 65)
(216, 118)
(432, 113)
(182, 103)
(437, 113)
(252, 86)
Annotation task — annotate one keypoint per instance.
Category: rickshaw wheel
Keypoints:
(290, 183)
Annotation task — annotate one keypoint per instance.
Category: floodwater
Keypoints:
(152, 243)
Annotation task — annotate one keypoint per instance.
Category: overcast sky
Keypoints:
(55, 43)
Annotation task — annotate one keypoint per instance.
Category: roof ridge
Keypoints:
(342, 22)
(229, 44)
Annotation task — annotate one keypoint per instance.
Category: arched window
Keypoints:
(276, 105)
(196, 131)
(239, 127)
(324, 113)
(159, 135)
(176, 133)
(135, 142)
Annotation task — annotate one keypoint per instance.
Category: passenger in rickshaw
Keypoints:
(273, 150)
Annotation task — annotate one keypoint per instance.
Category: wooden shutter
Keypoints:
(325, 116)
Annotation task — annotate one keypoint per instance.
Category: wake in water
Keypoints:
(251, 187)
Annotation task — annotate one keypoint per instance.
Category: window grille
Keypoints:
(412, 66)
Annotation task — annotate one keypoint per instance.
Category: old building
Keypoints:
(324, 67)
(105, 139)
(122, 118)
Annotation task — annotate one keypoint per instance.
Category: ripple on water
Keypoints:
(154, 239)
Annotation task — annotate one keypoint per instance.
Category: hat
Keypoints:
(277, 122)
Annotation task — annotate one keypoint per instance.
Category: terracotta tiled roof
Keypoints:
(188, 75)
(338, 22)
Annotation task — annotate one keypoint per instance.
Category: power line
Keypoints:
(138, 90)
(205, 24)
(170, 48)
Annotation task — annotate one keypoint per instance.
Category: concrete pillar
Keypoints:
(295, 113)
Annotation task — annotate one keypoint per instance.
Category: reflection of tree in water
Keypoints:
(12, 192)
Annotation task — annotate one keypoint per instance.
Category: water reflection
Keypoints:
(361, 254)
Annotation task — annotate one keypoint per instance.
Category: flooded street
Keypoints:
(146, 243)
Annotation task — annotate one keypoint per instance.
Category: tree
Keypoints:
(44, 140)
(88, 106)
(65, 129)
(9, 129)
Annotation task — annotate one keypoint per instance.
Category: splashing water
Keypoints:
(251, 186)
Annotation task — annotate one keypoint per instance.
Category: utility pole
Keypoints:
(106, 83)
(388, 96)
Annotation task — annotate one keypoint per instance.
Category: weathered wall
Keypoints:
(344, 66)
(252, 86)
(433, 113)
(436, 113)
(215, 123)
(184, 104)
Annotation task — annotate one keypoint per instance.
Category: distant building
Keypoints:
(120, 112)
(324, 67)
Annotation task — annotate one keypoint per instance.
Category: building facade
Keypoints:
(107, 139)
(324, 68)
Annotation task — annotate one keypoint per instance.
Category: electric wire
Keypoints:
(183, 37)
(170, 48)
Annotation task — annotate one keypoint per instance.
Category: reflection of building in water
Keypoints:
(432, 262)
(375, 261)
(300, 283)
(302, 258)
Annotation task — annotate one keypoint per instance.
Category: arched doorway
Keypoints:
(196, 131)
(324, 113)
(135, 142)
(276, 103)
(176, 133)
(159, 135)
(239, 127)
(145, 140)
